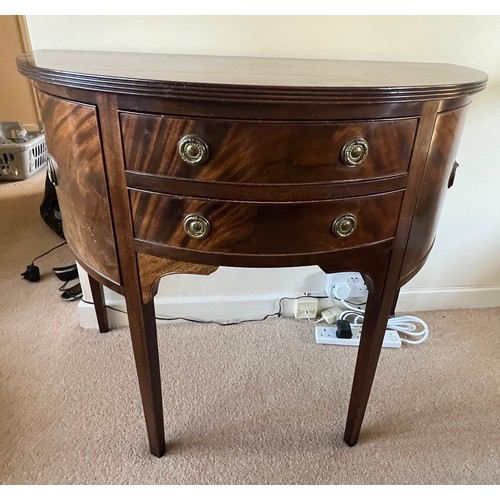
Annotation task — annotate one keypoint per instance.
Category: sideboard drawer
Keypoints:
(266, 152)
(263, 228)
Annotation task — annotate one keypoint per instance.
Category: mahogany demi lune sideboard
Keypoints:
(180, 163)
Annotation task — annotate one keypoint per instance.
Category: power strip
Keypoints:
(328, 335)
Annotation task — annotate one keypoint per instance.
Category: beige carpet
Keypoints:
(258, 403)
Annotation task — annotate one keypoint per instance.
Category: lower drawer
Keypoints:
(248, 228)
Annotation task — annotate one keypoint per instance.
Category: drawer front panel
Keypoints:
(266, 152)
(264, 228)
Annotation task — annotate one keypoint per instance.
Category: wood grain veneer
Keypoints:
(264, 228)
(72, 131)
(256, 152)
(274, 181)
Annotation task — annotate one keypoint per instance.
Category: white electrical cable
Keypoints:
(410, 326)
(407, 325)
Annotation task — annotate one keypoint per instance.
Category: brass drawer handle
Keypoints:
(52, 171)
(193, 150)
(344, 225)
(354, 152)
(196, 226)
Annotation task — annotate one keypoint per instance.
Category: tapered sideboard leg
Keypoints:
(99, 304)
(374, 325)
(144, 342)
(395, 302)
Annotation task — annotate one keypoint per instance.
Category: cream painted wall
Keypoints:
(464, 267)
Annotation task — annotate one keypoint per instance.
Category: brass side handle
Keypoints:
(196, 226)
(193, 150)
(451, 179)
(354, 152)
(344, 225)
(52, 170)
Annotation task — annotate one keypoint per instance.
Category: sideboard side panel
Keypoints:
(440, 159)
(72, 136)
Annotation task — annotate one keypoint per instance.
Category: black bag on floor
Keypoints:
(49, 209)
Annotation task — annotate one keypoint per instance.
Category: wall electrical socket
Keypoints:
(305, 307)
(355, 288)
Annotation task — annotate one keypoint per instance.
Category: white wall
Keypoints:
(464, 267)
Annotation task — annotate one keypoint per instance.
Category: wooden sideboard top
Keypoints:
(243, 78)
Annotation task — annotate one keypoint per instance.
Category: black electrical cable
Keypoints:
(278, 314)
(63, 288)
(48, 251)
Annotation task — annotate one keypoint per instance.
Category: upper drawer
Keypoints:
(266, 152)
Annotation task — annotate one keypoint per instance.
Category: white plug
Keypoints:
(331, 314)
(306, 307)
(341, 291)
(354, 280)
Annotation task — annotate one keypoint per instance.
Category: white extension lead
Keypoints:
(410, 326)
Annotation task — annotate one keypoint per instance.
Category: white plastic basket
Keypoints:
(22, 153)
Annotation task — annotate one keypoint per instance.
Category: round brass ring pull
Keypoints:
(196, 226)
(193, 150)
(344, 225)
(354, 152)
(52, 171)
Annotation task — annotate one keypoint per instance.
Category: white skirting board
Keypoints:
(256, 307)
(460, 297)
